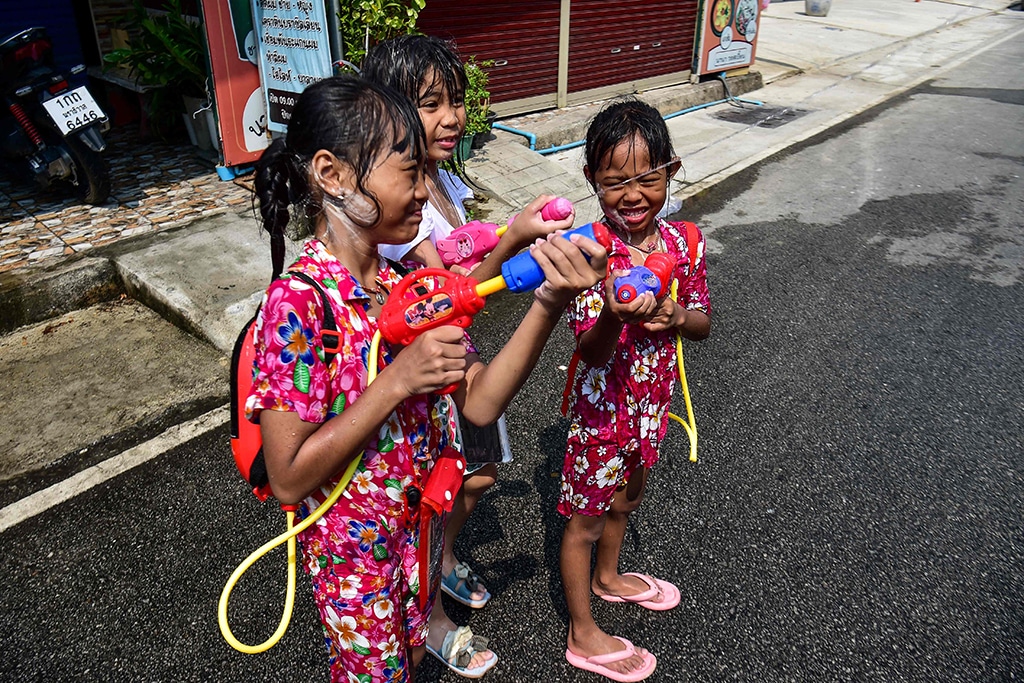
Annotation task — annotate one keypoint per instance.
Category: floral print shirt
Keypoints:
(625, 402)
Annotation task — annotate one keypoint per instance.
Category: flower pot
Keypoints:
(481, 138)
(197, 122)
(817, 8)
(465, 147)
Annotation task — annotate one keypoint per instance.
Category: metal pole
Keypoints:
(562, 87)
(334, 34)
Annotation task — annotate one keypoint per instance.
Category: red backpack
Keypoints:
(246, 439)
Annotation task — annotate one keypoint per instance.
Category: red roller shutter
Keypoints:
(521, 37)
(617, 41)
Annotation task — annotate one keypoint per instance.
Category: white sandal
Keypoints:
(458, 649)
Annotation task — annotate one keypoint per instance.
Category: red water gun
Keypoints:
(432, 297)
(653, 276)
(470, 244)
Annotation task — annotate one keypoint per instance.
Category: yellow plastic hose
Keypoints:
(690, 425)
(289, 536)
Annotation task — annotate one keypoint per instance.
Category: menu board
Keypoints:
(293, 51)
(727, 33)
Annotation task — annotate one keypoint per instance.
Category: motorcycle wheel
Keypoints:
(93, 176)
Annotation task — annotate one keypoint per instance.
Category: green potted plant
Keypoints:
(365, 23)
(479, 117)
(167, 51)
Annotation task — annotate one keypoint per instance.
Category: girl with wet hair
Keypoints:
(623, 381)
(430, 73)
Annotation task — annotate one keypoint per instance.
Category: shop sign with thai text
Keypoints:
(727, 32)
(293, 52)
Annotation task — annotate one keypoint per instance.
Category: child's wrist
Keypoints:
(518, 233)
(679, 315)
(550, 303)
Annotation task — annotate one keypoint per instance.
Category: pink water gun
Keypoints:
(470, 244)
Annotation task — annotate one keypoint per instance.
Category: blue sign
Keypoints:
(294, 51)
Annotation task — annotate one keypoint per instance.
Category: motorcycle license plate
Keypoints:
(73, 110)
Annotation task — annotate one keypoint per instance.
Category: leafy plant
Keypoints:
(167, 51)
(371, 21)
(478, 97)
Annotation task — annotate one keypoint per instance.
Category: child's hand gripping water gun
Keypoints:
(416, 306)
(653, 276)
(470, 244)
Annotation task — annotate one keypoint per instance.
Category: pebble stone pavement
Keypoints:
(154, 186)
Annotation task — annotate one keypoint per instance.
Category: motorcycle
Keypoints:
(58, 130)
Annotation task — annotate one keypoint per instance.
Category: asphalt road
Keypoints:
(856, 513)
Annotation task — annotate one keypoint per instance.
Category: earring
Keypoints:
(337, 200)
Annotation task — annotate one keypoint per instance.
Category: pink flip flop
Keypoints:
(596, 664)
(670, 595)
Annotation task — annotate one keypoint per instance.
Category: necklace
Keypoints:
(648, 249)
(378, 293)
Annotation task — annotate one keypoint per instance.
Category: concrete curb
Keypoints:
(31, 295)
(40, 292)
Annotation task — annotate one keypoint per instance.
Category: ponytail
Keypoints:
(278, 184)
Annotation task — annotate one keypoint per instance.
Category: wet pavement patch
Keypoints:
(96, 380)
(765, 117)
(1000, 95)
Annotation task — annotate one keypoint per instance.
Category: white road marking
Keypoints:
(63, 491)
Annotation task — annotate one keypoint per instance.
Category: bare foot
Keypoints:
(600, 643)
(440, 626)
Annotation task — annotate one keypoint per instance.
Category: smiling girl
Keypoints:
(623, 382)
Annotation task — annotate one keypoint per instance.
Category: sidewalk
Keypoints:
(154, 186)
(207, 275)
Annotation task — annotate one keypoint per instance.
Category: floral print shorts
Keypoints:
(590, 477)
(365, 590)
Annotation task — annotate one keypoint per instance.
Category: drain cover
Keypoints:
(766, 117)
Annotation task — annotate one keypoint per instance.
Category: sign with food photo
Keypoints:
(727, 31)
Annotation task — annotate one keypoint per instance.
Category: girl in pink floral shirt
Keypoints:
(352, 166)
(623, 382)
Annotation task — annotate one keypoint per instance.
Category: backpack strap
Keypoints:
(692, 241)
(569, 380)
(330, 339)
(397, 267)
